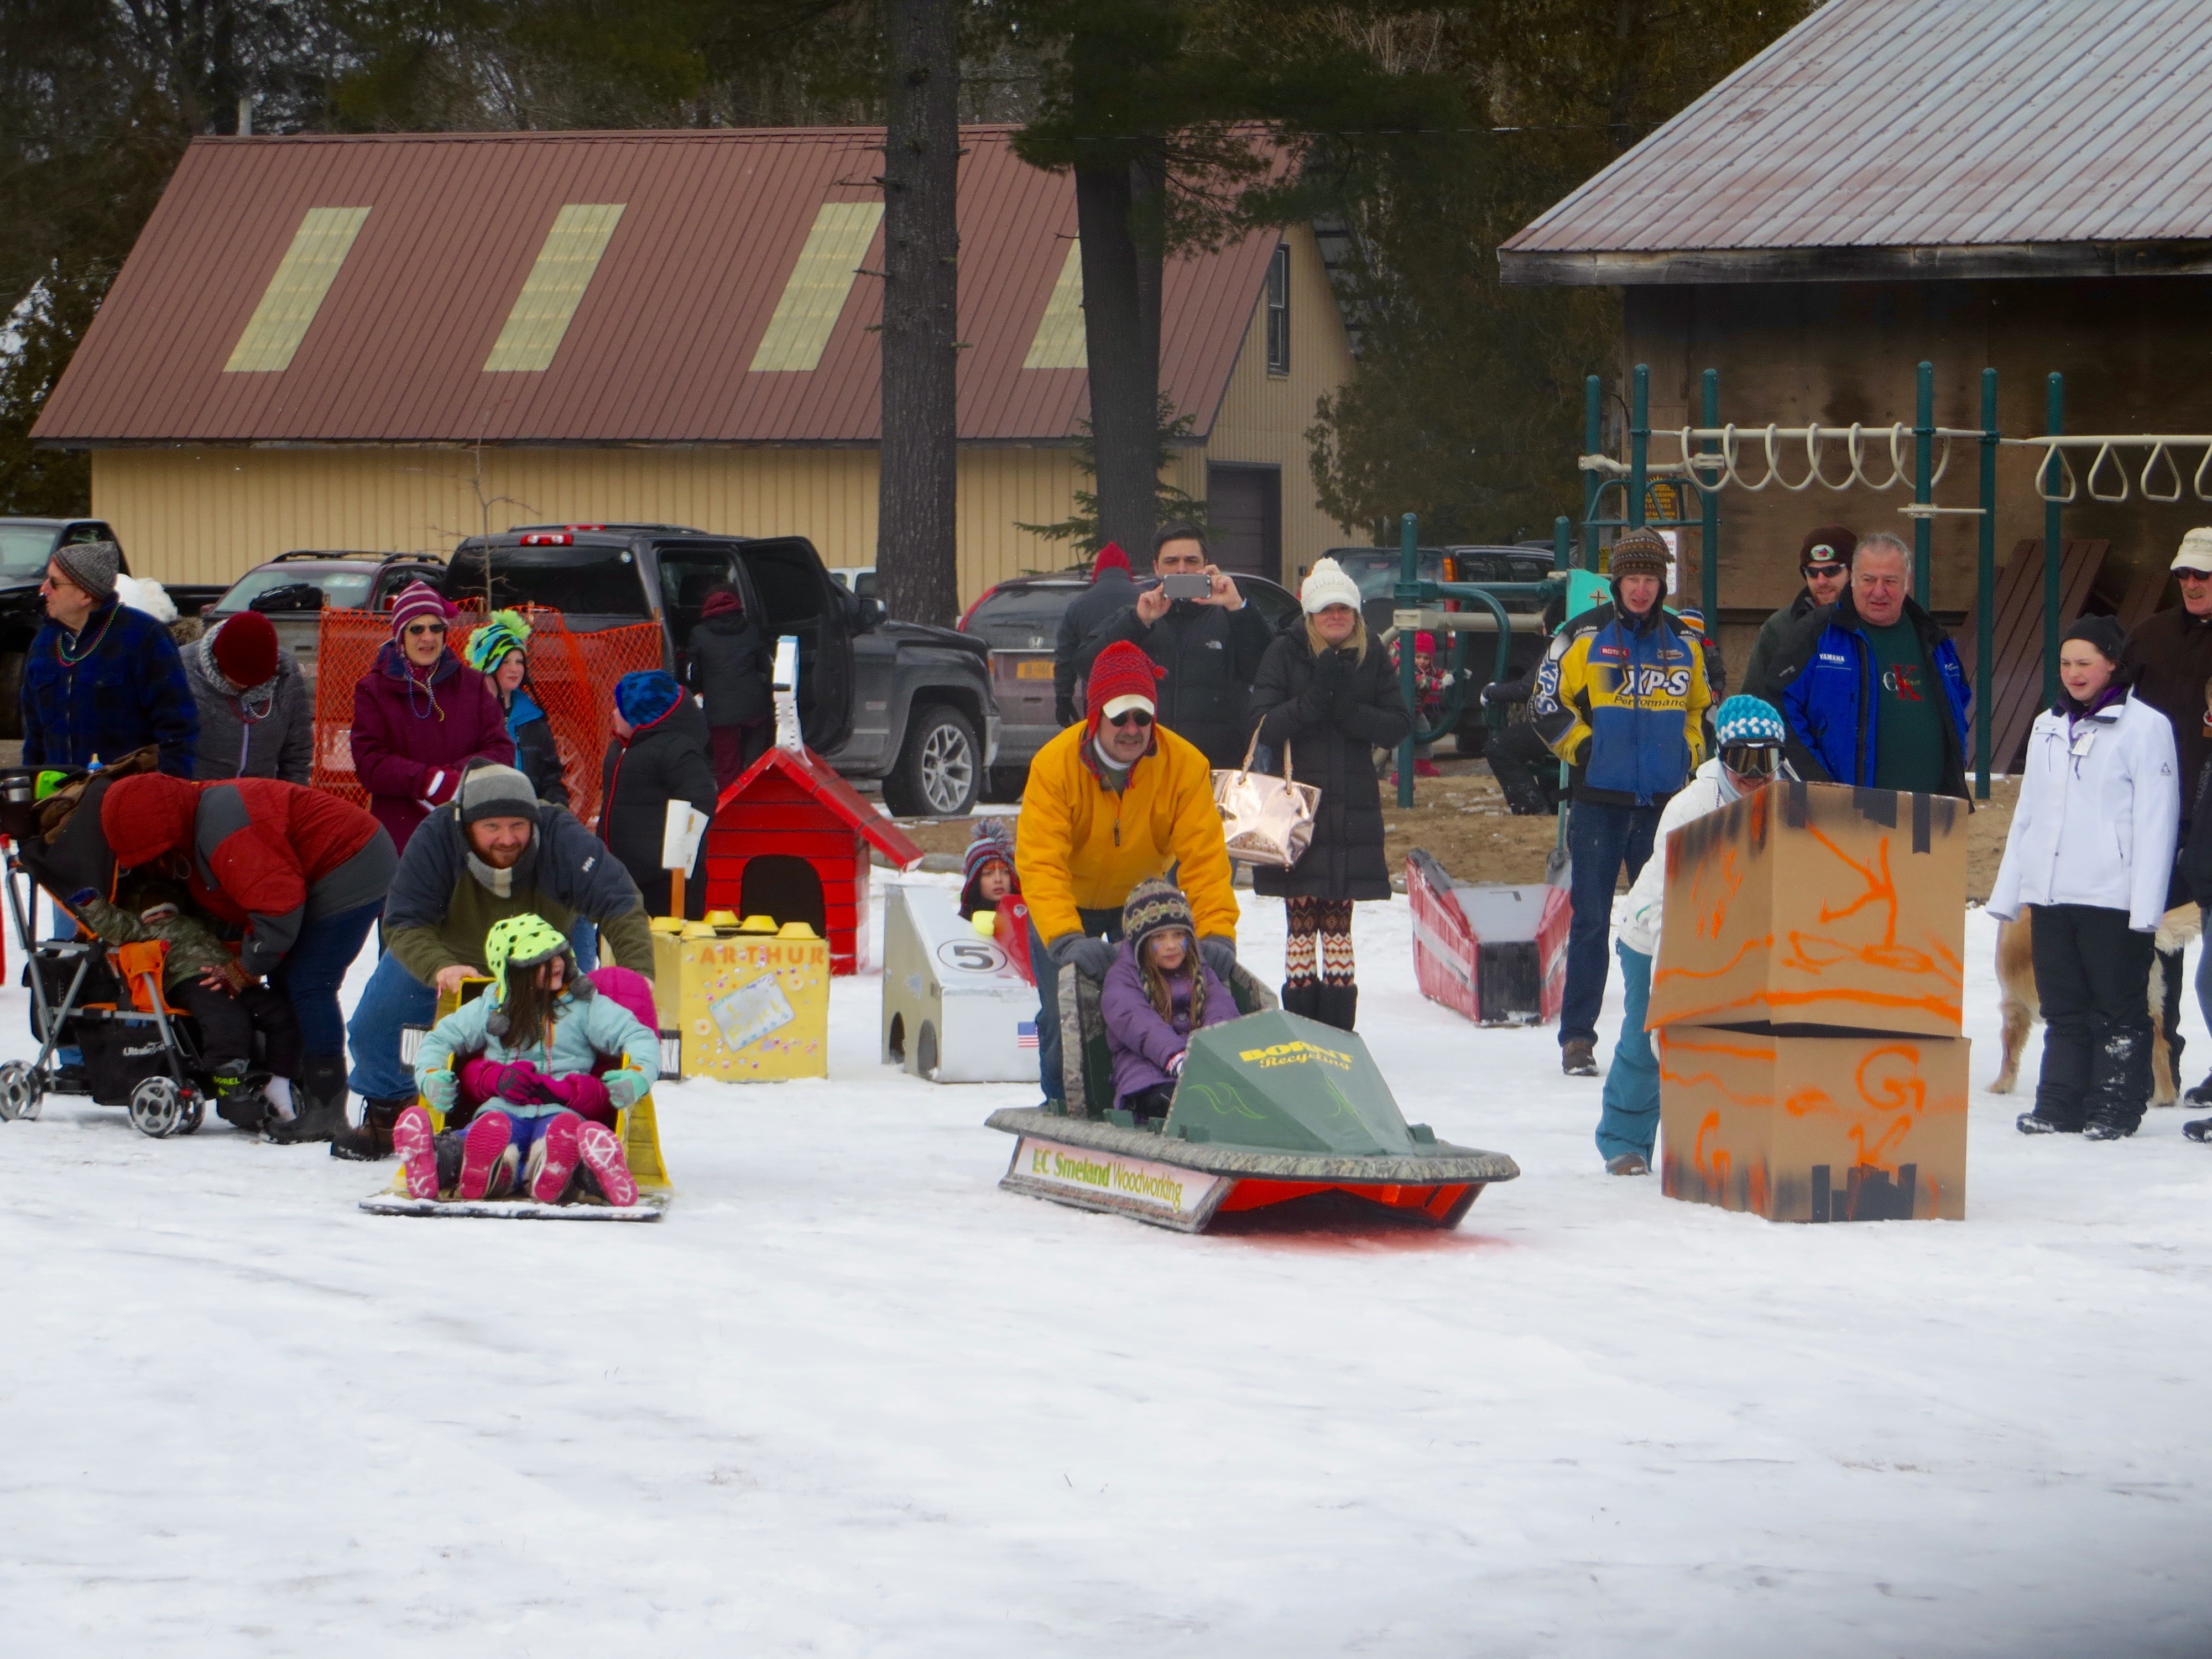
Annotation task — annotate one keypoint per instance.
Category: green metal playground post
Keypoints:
(1709, 505)
(1409, 598)
(1563, 541)
(1985, 583)
(1593, 483)
(1924, 460)
(2053, 515)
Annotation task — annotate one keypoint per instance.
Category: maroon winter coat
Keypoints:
(411, 740)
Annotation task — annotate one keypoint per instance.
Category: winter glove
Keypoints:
(1175, 1061)
(438, 1086)
(585, 1095)
(519, 1081)
(1220, 955)
(625, 1088)
(1091, 957)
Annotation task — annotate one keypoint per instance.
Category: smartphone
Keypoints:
(1186, 587)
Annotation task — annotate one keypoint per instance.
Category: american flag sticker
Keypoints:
(1025, 1034)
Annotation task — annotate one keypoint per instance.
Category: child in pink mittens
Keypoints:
(528, 1049)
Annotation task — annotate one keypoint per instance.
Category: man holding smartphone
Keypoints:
(1196, 625)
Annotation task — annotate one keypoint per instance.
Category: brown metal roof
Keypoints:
(1972, 131)
(244, 315)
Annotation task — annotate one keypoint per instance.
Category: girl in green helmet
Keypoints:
(528, 1048)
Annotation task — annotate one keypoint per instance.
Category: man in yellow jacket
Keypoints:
(1108, 803)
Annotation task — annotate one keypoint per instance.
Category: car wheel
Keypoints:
(939, 769)
(11, 693)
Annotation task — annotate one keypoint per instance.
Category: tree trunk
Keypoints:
(917, 572)
(1121, 273)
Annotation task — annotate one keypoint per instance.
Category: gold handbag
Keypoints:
(1266, 820)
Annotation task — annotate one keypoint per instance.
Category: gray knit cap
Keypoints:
(92, 566)
(496, 791)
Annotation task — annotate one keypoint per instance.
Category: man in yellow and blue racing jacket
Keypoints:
(1620, 697)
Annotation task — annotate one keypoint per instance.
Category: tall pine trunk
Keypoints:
(917, 571)
(1121, 271)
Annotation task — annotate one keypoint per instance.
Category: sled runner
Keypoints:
(1270, 1107)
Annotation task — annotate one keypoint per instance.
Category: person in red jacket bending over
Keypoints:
(420, 715)
(303, 873)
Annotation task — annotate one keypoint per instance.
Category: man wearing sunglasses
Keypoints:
(1825, 563)
(1108, 803)
(2170, 655)
(1750, 735)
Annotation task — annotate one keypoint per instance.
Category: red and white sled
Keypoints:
(1497, 952)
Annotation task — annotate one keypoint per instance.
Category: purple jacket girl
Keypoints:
(1157, 991)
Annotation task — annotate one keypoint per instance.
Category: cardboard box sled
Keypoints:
(1817, 905)
(1496, 952)
(957, 1008)
(1869, 1127)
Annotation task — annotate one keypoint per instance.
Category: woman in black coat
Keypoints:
(1330, 697)
(659, 755)
(730, 668)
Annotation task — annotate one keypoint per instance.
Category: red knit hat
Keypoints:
(1110, 558)
(245, 648)
(1120, 670)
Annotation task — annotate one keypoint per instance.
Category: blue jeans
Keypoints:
(394, 998)
(315, 967)
(1096, 924)
(584, 943)
(1600, 840)
(1628, 1121)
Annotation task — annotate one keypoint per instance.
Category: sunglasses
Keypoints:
(2190, 575)
(1752, 760)
(1131, 717)
(426, 627)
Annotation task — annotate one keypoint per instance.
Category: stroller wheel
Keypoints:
(21, 1095)
(195, 1115)
(157, 1107)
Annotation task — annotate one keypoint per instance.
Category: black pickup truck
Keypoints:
(906, 703)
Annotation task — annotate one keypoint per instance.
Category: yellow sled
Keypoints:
(637, 1126)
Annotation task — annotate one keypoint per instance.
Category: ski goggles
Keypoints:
(1752, 760)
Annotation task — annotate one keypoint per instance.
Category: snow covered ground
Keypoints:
(849, 1399)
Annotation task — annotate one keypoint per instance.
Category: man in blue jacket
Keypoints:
(1621, 697)
(1871, 685)
(102, 679)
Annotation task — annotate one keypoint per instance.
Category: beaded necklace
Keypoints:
(61, 647)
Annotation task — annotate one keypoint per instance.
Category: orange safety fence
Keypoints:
(572, 676)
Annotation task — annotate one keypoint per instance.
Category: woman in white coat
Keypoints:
(2092, 849)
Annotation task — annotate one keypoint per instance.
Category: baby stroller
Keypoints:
(140, 1052)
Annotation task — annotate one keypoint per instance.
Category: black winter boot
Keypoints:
(1301, 997)
(319, 1103)
(1339, 1005)
(241, 1100)
(371, 1141)
(2119, 1085)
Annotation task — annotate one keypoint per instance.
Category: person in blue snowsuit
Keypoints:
(1621, 697)
(1871, 686)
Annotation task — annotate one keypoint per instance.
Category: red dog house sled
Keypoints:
(1496, 952)
(790, 839)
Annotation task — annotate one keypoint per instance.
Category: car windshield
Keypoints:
(596, 581)
(342, 589)
(1022, 618)
(23, 550)
(1375, 569)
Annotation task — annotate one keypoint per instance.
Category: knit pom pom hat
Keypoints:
(1121, 679)
(990, 843)
(502, 631)
(1326, 585)
(1155, 904)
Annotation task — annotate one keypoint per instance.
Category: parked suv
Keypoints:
(1019, 620)
(293, 589)
(901, 701)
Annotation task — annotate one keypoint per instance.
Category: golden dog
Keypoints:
(2016, 995)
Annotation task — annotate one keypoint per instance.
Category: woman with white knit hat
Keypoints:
(1326, 697)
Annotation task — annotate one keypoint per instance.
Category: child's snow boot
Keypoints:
(488, 1156)
(240, 1101)
(416, 1141)
(552, 1160)
(602, 1155)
